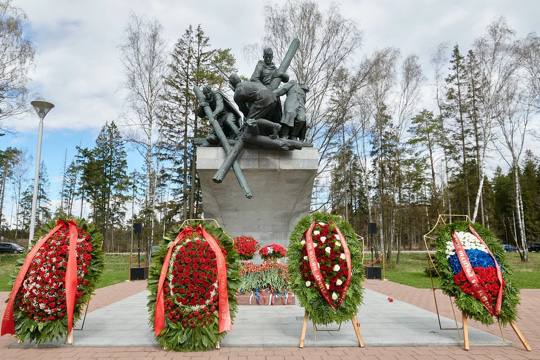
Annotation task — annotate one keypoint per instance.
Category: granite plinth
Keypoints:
(281, 183)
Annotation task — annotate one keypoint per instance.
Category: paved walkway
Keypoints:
(529, 324)
(125, 323)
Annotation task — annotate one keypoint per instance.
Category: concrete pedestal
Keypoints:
(281, 183)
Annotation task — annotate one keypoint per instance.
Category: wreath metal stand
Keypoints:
(428, 236)
(441, 220)
(355, 324)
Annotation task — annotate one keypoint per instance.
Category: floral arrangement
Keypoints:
(273, 251)
(56, 280)
(246, 247)
(325, 267)
(193, 282)
(268, 275)
(471, 263)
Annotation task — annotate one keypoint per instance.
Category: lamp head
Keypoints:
(42, 107)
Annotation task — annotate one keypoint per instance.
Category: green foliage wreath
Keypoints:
(195, 335)
(319, 311)
(468, 304)
(37, 325)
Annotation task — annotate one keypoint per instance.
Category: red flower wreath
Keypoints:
(331, 258)
(42, 296)
(192, 284)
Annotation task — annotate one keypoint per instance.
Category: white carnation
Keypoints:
(336, 267)
(308, 283)
(327, 249)
(327, 286)
(323, 239)
(303, 242)
(342, 256)
(316, 232)
(334, 296)
(322, 224)
(339, 282)
(305, 257)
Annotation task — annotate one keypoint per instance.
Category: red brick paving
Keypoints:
(419, 297)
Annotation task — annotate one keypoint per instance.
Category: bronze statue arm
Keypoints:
(219, 105)
(256, 76)
(282, 90)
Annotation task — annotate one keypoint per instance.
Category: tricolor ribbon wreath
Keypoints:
(472, 268)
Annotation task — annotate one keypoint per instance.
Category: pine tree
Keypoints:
(424, 129)
(347, 192)
(43, 211)
(384, 152)
(456, 111)
(530, 188)
(193, 63)
(105, 181)
(71, 181)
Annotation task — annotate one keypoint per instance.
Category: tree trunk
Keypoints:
(2, 192)
(519, 209)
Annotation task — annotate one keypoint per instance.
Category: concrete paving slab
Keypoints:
(383, 323)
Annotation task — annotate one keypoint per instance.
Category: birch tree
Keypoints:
(143, 56)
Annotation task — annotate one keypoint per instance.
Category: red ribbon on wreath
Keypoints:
(224, 315)
(314, 266)
(472, 278)
(349, 266)
(498, 305)
(70, 280)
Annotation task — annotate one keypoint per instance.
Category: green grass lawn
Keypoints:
(116, 270)
(410, 270)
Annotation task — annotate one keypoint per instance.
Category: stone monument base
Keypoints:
(281, 183)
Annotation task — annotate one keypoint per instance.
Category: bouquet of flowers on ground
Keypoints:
(268, 275)
(246, 247)
(272, 251)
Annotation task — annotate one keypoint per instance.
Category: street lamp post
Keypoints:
(42, 108)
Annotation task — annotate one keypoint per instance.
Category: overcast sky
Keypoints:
(77, 65)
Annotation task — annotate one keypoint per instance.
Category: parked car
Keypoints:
(509, 248)
(534, 247)
(11, 248)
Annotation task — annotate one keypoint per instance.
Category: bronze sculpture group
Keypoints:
(265, 123)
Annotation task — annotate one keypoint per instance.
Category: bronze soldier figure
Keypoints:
(293, 122)
(223, 111)
(266, 70)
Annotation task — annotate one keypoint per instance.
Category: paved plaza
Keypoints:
(406, 328)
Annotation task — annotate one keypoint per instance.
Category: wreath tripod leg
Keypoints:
(304, 329)
(520, 336)
(356, 326)
(465, 332)
(69, 340)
